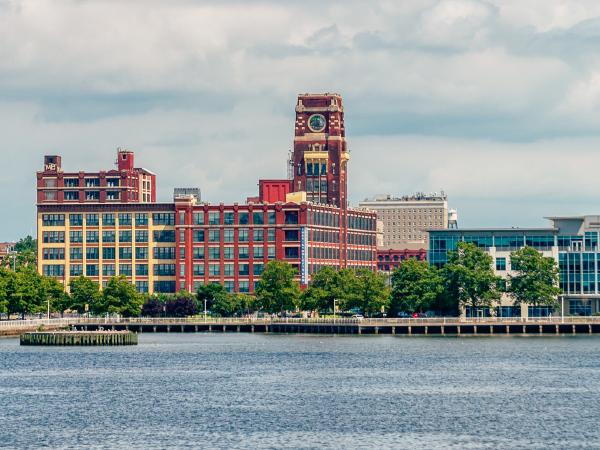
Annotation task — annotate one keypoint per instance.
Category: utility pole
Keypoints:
(13, 255)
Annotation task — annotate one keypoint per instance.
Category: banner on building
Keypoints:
(304, 255)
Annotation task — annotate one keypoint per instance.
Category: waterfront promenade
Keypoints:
(393, 326)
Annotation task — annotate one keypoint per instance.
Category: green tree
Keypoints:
(209, 292)
(26, 291)
(4, 276)
(28, 243)
(313, 299)
(49, 288)
(340, 285)
(416, 286)
(470, 278)
(278, 290)
(225, 304)
(84, 291)
(26, 254)
(246, 303)
(21, 294)
(119, 296)
(371, 292)
(535, 279)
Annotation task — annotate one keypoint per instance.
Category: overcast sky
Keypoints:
(495, 102)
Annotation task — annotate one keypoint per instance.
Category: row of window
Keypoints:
(214, 218)
(445, 243)
(409, 211)
(76, 253)
(243, 218)
(319, 186)
(396, 258)
(243, 285)
(214, 270)
(413, 217)
(58, 237)
(88, 195)
(88, 182)
(76, 220)
(258, 235)
(110, 270)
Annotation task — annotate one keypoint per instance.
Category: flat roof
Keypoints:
(568, 217)
(480, 230)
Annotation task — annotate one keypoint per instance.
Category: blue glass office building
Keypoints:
(571, 240)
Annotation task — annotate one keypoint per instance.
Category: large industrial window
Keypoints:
(258, 218)
(243, 218)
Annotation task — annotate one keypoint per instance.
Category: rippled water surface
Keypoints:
(303, 391)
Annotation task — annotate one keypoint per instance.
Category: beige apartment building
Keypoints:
(404, 219)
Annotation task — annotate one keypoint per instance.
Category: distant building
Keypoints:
(5, 247)
(406, 220)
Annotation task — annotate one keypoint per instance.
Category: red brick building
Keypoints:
(125, 184)
(320, 155)
(390, 259)
(166, 247)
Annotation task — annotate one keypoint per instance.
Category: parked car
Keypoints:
(358, 316)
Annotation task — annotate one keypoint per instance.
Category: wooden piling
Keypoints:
(79, 338)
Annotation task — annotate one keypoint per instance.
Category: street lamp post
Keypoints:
(13, 255)
(48, 308)
(204, 310)
(334, 300)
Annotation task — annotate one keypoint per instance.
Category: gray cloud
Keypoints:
(204, 93)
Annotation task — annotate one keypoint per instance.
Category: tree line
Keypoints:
(467, 280)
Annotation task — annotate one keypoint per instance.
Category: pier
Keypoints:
(80, 338)
(410, 327)
(360, 329)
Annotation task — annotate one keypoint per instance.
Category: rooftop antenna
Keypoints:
(117, 160)
(290, 166)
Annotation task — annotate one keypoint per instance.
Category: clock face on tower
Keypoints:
(316, 122)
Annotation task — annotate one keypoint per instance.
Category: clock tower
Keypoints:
(320, 154)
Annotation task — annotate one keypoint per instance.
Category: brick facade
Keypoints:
(125, 184)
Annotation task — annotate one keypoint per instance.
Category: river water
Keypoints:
(304, 391)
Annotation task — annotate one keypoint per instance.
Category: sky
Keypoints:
(496, 102)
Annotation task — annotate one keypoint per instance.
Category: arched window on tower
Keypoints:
(299, 186)
(333, 168)
(333, 185)
(299, 169)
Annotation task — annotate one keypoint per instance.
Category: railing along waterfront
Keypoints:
(28, 324)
